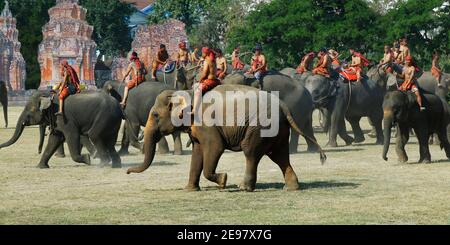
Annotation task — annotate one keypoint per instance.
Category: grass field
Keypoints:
(355, 186)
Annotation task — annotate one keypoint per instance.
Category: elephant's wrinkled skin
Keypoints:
(294, 95)
(209, 142)
(140, 100)
(400, 108)
(93, 116)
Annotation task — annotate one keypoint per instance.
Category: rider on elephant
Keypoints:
(307, 63)
(410, 83)
(259, 64)
(208, 80)
(323, 67)
(358, 63)
(70, 85)
(435, 68)
(221, 64)
(137, 70)
(236, 62)
(388, 58)
(194, 56)
(336, 63)
(182, 55)
(403, 51)
(160, 61)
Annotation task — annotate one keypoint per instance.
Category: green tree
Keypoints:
(110, 21)
(289, 28)
(31, 15)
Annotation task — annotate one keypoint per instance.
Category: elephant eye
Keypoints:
(155, 114)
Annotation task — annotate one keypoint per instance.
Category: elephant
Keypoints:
(139, 102)
(180, 78)
(300, 78)
(400, 108)
(93, 117)
(211, 140)
(340, 100)
(4, 101)
(294, 95)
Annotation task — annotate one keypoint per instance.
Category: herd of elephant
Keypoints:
(92, 119)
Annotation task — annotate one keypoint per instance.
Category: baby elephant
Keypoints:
(400, 108)
(211, 139)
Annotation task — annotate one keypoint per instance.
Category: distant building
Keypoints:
(140, 17)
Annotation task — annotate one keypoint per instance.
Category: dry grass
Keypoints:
(355, 187)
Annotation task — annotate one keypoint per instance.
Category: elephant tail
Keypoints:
(287, 112)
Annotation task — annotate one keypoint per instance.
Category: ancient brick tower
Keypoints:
(67, 36)
(12, 64)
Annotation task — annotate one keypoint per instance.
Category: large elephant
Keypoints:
(402, 109)
(95, 117)
(140, 100)
(4, 101)
(180, 78)
(342, 100)
(294, 95)
(300, 78)
(209, 142)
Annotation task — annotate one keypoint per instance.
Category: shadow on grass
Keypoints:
(342, 149)
(309, 185)
(157, 163)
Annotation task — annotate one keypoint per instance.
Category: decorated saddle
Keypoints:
(168, 68)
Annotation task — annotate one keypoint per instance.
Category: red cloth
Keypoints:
(208, 85)
(256, 63)
(349, 74)
(73, 76)
(408, 85)
(64, 93)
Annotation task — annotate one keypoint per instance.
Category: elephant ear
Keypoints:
(45, 103)
(182, 108)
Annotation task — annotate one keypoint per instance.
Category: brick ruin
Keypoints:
(12, 63)
(146, 43)
(67, 36)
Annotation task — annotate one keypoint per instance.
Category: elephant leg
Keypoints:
(178, 147)
(377, 122)
(5, 113)
(73, 141)
(357, 131)
(281, 157)
(421, 132)
(100, 146)
(133, 132)
(60, 152)
(196, 168)
(163, 146)
(86, 142)
(442, 136)
(212, 151)
(110, 142)
(125, 144)
(401, 141)
(333, 130)
(55, 140)
(309, 133)
(342, 130)
(293, 145)
(251, 169)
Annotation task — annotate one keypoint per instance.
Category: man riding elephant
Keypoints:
(403, 52)
(137, 70)
(236, 62)
(182, 55)
(323, 67)
(70, 85)
(307, 63)
(222, 66)
(336, 64)
(259, 65)
(435, 68)
(160, 60)
(388, 58)
(208, 80)
(358, 63)
(410, 83)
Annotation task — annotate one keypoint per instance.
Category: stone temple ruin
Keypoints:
(67, 36)
(12, 63)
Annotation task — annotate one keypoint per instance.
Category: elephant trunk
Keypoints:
(388, 122)
(151, 138)
(17, 133)
(5, 113)
(41, 137)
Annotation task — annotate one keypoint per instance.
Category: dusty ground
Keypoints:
(355, 187)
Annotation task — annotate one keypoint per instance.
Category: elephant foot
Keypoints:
(191, 188)
(43, 166)
(402, 159)
(87, 159)
(349, 141)
(246, 187)
(222, 180)
(331, 144)
(372, 134)
(312, 148)
(123, 152)
(292, 187)
(116, 165)
(178, 152)
(60, 155)
(379, 142)
(359, 140)
(425, 160)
